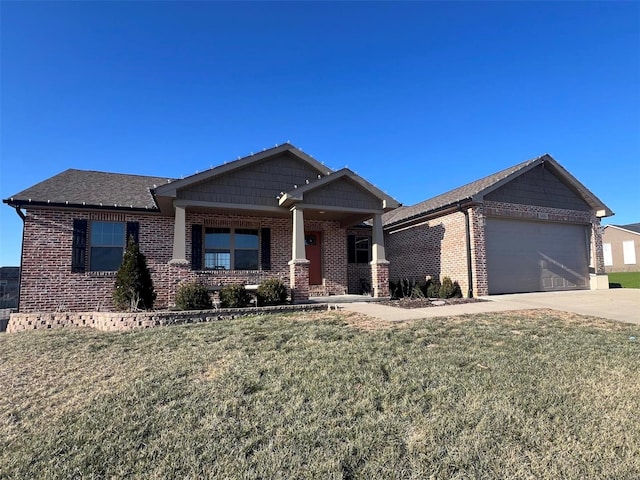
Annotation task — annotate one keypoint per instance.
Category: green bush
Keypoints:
(233, 296)
(272, 292)
(193, 296)
(133, 289)
(450, 289)
(433, 288)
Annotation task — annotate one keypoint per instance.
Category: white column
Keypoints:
(377, 251)
(297, 244)
(179, 244)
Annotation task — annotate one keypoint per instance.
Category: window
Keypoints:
(629, 252)
(359, 249)
(231, 249)
(608, 257)
(98, 246)
(107, 242)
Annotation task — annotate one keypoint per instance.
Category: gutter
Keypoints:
(24, 218)
(17, 204)
(467, 228)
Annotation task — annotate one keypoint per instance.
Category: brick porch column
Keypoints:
(379, 264)
(380, 279)
(299, 265)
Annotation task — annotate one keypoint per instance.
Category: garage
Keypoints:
(531, 256)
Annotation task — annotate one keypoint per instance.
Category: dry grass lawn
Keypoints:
(524, 395)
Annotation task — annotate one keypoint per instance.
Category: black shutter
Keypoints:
(79, 246)
(196, 247)
(265, 246)
(133, 228)
(351, 248)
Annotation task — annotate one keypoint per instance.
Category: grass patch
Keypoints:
(624, 280)
(536, 394)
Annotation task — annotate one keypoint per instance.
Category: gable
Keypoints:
(343, 193)
(538, 186)
(258, 183)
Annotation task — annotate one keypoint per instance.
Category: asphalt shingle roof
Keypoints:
(453, 196)
(91, 188)
(634, 227)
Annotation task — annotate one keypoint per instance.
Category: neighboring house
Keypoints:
(621, 248)
(532, 227)
(9, 287)
(278, 213)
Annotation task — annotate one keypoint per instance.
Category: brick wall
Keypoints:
(437, 247)
(49, 285)
(434, 248)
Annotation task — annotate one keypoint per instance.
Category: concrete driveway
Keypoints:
(620, 304)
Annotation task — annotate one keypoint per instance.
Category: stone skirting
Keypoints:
(113, 321)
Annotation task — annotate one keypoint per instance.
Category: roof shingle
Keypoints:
(91, 188)
(453, 196)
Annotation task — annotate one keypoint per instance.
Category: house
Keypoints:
(9, 287)
(531, 227)
(278, 213)
(621, 248)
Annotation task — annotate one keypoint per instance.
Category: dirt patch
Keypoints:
(427, 302)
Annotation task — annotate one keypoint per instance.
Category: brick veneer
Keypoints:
(437, 247)
(434, 248)
(380, 279)
(49, 285)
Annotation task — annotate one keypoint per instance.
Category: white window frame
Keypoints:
(629, 252)
(607, 254)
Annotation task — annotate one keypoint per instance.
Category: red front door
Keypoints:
(313, 251)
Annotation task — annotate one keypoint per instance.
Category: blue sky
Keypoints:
(416, 97)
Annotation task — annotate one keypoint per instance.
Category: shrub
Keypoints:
(449, 289)
(272, 292)
(233, 296)
(133, 288)
(193, 296)
(433, 288)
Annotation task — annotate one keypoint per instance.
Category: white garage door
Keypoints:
(536, 256)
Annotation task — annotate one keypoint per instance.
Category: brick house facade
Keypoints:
(532, 227)
(273, 210)
(280, 213)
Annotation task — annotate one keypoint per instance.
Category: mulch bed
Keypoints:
(426, 302)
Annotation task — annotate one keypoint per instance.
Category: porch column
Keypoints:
(379, 263)
(179, 244)
(299, 265)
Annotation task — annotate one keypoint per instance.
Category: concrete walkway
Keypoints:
(618, 304)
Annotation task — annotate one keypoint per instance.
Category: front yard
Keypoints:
(624, 279)
(534, 394)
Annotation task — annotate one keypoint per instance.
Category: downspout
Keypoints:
(24, 218)
(465, 212)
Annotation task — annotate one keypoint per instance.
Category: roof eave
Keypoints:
(17, 203)
(434, 213)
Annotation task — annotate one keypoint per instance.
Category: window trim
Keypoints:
(354, 249)
(91, 246)
(232, 248)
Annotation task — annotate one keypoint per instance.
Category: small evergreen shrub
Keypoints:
(433, 288)
(457, 291)
(234, 296)
(272, 292)
(193, 296)
(449, 289)
(394, 289)
(133, 289)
